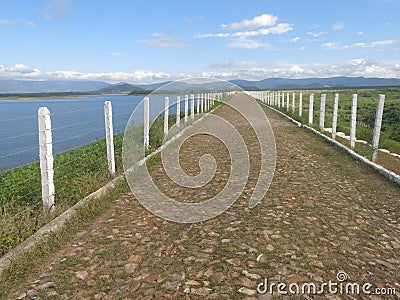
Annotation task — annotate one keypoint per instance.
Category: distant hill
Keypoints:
(9, 86)
(339, 82)
(120, 89)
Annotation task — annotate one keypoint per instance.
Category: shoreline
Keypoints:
(53, 97)
(60, 97)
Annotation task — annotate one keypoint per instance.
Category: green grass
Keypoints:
(27, 264)
(77, 173)
(366, 110)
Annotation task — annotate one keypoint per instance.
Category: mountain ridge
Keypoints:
(10, 86)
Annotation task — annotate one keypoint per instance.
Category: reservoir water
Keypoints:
(75, 122)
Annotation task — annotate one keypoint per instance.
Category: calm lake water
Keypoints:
(75, 122)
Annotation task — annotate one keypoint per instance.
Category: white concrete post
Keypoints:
(46, 159)
(300, 104)
(146, 121)
(279, 99)
(166, 115)
(335, 115)
(198, 103)
(186, 107)
(353, 121)
(202, 103)
(322, 112)
(293, 103)
(192, 106)
(377, 128)
(178, 111)
(109, 136)
(287, 102)
(311, 110)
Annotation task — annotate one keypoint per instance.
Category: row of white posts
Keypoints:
(277, 99)
(204, 103)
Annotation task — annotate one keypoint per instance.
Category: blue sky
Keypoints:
(151, 41)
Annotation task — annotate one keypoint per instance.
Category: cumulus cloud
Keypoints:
(224, 70)
(20, 68)
(264, 20)
(21, 71)
(161, 40)
(355, 67)
(136, 76)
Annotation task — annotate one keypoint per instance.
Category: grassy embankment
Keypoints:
(366, 110)
(77, 173)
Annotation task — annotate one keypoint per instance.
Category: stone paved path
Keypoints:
(324, 213)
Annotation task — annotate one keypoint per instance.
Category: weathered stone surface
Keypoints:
(318, 217)
(81, 274)
(247, 291)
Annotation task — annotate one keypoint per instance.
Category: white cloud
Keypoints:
(375, 44)
(360, 33)
(136, 76)
(315, 34)
(21, 71)
(366, 67)
(339, 25)
(20, 68)
(228, 70)
(264, 20)
(361, 45)
(295, 39)
(383, 43)
(56, 9)
(334, 46)
(161, 40)
(302, 48)
(276, 30)
(355, 67)
(338, 46)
